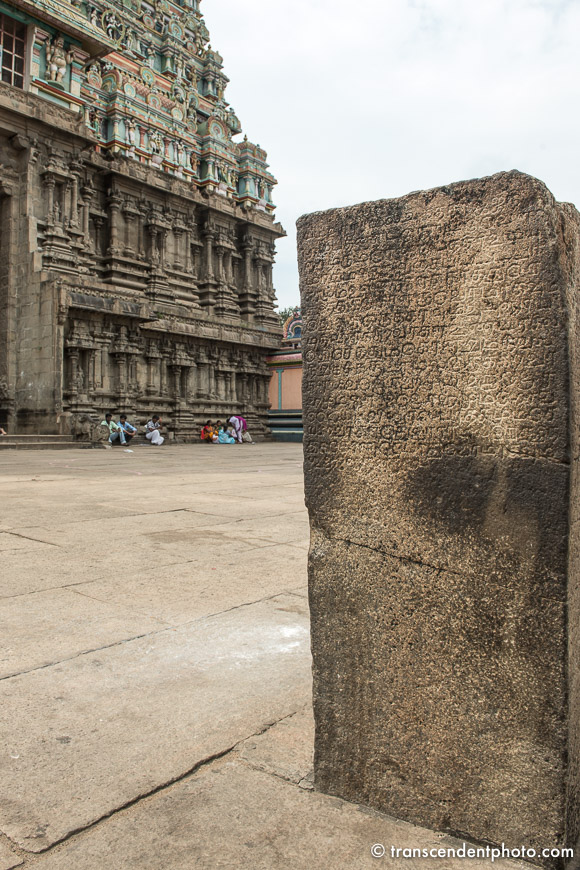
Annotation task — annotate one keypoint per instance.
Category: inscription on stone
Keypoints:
(439, 348)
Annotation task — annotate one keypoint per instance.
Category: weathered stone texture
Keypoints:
(437, 447)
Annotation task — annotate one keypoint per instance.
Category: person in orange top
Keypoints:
(208, 433)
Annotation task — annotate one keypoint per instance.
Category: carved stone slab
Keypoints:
(440, 375)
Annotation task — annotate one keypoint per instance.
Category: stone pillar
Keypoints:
(101, 359)
(153, 234)
(242, 380)
(264, 385)
(178, 257)
(162, 247)
(49, 183)
(66, 188)
(220, 250)
(141, 217)
(188, 263)
(162, 377)
(444, 580)
(88, 193)
(209, 236)
(114, 208)
(132, 374)
(91, 370)
(202, 380)
(122, 371)
(248, 253)
(190, 391)
(152, 367)
(252, 398)
(176, 373)
(74, 200)
(73, 355)
(228, 271)
(129, 215)
(98, 223)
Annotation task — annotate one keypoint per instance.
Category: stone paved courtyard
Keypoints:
(155, 668)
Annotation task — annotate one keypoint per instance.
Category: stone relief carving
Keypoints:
(57, 59)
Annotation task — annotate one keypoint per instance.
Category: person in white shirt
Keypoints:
(152, 430)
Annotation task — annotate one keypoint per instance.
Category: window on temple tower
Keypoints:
(12, 43)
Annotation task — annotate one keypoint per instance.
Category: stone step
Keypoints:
(276, 422)
(7, 444)
(286, 424)
(296, 436)
(37, 439)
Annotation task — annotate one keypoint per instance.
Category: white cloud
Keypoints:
(366, 100)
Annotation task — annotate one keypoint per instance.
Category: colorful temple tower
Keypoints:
(138, 235)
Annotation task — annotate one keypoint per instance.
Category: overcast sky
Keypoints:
(369, 99)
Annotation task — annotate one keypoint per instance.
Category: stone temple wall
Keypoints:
(137, 233)
(441, 441)
(126, 290)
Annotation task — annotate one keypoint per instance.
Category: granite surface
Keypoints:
(438, 346)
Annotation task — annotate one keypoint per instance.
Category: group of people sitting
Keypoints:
(123, 431)
(233, 431)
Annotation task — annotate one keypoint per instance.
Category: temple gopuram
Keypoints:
(137, 236)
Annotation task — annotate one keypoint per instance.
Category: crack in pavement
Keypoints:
(108, 518)
(167, 627)
(106, 577)
(122, 607)
(255, 766)
(33, 857)
(133, 801)
(220, 521)
(84, 652)
(28, 538)
(13, 847)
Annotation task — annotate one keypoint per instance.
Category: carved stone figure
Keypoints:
(130, 132)
(157, 146)
(87, 427)
(94, 75)
(113, 26)
(57, 59)
(131, 42)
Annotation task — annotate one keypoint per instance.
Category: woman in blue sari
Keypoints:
(224, 436)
